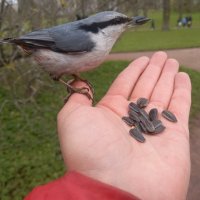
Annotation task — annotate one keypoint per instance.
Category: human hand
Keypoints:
(96, 142)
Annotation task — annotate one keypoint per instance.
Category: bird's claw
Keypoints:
(78, 78)
(72, 90)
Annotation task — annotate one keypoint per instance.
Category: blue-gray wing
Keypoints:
(63, 38)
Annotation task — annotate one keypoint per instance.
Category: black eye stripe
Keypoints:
(94, 27)
(120, 20)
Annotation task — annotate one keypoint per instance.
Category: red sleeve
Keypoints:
(75, 186)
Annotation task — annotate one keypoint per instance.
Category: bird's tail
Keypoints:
(6, 40)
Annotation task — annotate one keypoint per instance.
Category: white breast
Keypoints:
(60, 63)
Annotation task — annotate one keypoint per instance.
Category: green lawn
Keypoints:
(157, 16)
(29, 150)
(143, 38)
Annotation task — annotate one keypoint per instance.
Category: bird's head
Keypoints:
(111, 23)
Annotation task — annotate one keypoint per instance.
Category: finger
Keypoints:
(181, 98)
(150, 76)
(164, 88)
(124, 83)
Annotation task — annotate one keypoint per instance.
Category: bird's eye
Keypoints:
(117, 19)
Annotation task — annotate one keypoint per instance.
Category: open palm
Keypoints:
(96, 142)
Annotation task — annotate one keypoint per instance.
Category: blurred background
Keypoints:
(30, 100)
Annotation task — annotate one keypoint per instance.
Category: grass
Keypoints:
(195, 79)
(29, 149)
(157, 16)
(144, 39)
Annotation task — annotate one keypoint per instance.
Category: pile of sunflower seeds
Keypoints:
(144, 122)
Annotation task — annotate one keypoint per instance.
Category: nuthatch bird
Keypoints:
(76, 46)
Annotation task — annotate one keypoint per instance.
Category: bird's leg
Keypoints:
(71, 90)
(78, 78)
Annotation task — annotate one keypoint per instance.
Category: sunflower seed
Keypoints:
(159, 129)
(148, 124)
(144, 122)
(136, 133)
(142, 127)
(142, 102)
(144, 114)
(128, 121)
(134, 107)
(169, 116)
(137, 125)
(133, 115)
(156, 123)
(153, 114)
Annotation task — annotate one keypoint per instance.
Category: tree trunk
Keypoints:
(2, 6)
(83, 13)
(188, 5)
(136, 7)
(166, 15)
(180, 8)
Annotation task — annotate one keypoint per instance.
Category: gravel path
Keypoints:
(186, 57)
(189, 58)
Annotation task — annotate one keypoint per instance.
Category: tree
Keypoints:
(166, 15)
(189, 5)
(180, 8)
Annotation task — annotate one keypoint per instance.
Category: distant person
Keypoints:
(184, 21)
(179, 22)
(189, 21)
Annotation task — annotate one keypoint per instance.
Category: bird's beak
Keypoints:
(139, 20)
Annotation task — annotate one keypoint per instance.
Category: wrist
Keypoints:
(116, 179)
(144, 187)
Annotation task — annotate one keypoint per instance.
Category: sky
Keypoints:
(12, 1)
